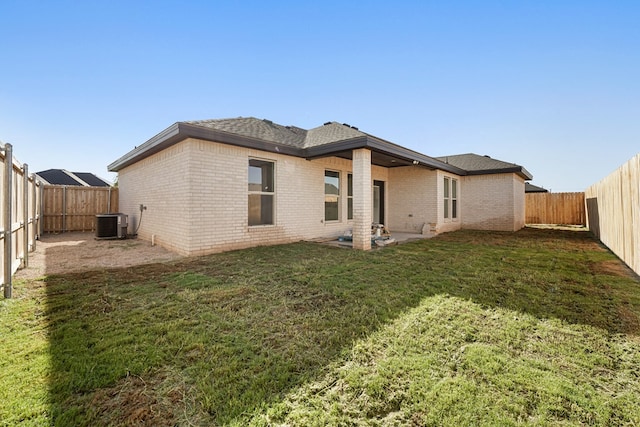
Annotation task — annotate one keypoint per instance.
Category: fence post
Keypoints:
(64, 209)
(6, 203)
(34, 211)
(25, 214)
(41, 214)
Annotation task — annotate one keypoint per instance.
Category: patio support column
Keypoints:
(362, 188)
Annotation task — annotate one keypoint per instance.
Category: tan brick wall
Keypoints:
(362, 199)
(412, 199)
(450, 224)
(519, 204)
(493, 202)
(160, 182)
(196, 198)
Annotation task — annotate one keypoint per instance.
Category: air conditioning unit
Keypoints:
(111, 226)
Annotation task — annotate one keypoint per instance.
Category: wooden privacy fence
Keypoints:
(73, 208)
(19, 217)
(613, 212)
(555, 208)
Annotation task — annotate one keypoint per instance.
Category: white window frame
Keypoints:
(454, 199)
(450, 190)
(445, 193)
(349, 196)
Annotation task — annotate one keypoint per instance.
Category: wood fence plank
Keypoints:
(71, 208)
(614, 212)
(555, 208)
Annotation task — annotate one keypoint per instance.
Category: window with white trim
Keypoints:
(331, 195)
(450, 193)
(350, 196)
(261, 192)
(454, 198)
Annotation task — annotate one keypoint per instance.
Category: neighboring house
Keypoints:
(216, 185)
(530, 188)
(64, 177)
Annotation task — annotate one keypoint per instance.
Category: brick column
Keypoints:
(362, 188)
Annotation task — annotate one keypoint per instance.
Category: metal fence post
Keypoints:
(7, 208)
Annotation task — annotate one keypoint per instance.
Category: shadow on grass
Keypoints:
(212, 340)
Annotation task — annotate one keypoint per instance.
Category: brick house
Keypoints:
(216, 185)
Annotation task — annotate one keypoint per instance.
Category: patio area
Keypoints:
(398, 238)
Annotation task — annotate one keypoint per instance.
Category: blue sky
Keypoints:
(551, 85)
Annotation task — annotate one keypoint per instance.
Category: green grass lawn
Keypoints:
(538, 327)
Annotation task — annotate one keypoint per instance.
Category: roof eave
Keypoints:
(325, 150)
(413, 156)
(208, 134)
(518, 170)
(164, 139)
(379, 145)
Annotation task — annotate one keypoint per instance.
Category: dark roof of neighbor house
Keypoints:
(530, 188)
(476, 164)
(64, 177)
(331, 139)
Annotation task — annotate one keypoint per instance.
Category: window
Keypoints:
(446, 196)
(450, 193)
(454, 198)
(331, 195)
(261, 192)
(350, 196)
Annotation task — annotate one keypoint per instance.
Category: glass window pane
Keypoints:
(267, 177)
(260, 209)
(260, 176)
(350, 185)
(255, 178)
(254, 209)
(454, 208)
(454, 188)
(331, 182)
(446, 208)
(446, 187)
(331, 208)
(261, 181)
(350, 208)
(266, 211)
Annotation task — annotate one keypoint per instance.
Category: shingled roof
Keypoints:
(251, 127)
(530, 188)
(476, 164)
(331, 139)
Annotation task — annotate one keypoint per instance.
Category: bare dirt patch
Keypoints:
(612, 267)
(135, 401)
(76, 252)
